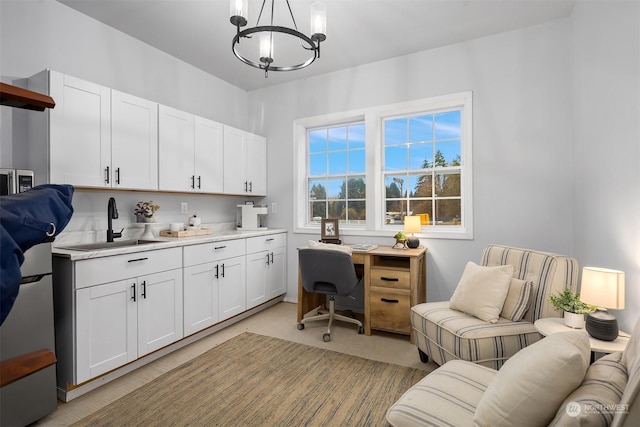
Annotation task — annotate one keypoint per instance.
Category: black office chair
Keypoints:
(330, 273)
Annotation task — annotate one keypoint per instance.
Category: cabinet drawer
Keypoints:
(390, 309)
(208, 252)
(266, 243)
(390, 278)
(109, 269)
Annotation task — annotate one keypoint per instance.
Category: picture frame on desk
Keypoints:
(329, 229)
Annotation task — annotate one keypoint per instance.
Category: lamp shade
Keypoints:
(412, 224)
(602, 287)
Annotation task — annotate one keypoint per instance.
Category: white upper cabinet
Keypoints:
(190, 152)
(176, 147)
(234, 148)
(208, 160)
(134, 142)
(245, 163)
(79, 132)
(97, 137)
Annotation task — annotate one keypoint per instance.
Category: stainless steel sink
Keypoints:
(107, 245)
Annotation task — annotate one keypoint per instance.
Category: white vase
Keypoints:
(149, 219)
(148, 232)
(573, 320)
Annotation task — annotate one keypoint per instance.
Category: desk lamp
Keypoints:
(412, 225)
(603, 288)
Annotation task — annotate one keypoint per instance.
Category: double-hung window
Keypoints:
(336, 174)
(371, 168)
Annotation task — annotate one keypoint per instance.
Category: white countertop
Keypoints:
(162, 243)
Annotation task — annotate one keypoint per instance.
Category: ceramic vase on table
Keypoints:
(148, 232)
(573, 320)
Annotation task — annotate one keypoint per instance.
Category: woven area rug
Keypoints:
(254, 380)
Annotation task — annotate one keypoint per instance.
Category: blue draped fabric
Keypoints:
(27, 219)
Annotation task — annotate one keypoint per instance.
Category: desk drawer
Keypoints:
(389, 278)
(390, 309)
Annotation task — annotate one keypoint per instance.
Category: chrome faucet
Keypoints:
(112, 213)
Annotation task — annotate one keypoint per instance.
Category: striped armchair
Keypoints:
(444, 334)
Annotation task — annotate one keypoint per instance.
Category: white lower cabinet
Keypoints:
(214, 283)
(200, 297)
(121, 321)
(266, 268)
(113, 310)
(232, 287)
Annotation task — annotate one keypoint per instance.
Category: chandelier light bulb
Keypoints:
(266, 48)
(238, 13)
(318, 21)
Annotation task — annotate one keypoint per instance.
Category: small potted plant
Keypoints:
(574, 309)
(401, 239)
(145, 211)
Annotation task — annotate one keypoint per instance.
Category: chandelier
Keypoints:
(295, 49)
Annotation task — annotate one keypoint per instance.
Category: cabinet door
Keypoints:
(176, 150)
(256, 167)
(106, 328)
(257, 278)
(232, 287)
(200, 297)
(159, 310)
(235, 181)
(79, 132)
(277, 272)
(134, 142)
(208, 156)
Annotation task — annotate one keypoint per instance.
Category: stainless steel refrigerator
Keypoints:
(29, 327)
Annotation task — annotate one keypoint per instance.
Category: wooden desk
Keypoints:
(394, 281)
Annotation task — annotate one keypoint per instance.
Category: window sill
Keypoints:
(454, 234)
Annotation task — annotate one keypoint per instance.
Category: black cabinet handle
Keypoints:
(137, 259)
(217, 272)
(199, 182)
(250, 186)
(222, 270)
(389, 279)
(117, 175)
(270, 240)
(246, 186)
(267, 259)
(271, 257)
(219, 247)
(133, 288)
(144, 289)
(193, 181)
(392, 301)
(106, 179)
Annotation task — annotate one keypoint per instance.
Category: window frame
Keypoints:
(373, 118)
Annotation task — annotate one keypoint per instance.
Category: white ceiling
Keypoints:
(358, 31)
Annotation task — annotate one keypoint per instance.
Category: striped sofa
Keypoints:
(549, 383)
(444, 334)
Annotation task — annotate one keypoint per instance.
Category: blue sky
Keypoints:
(408, 142)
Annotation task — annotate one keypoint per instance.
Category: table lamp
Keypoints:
(412, 225)
(603, 288)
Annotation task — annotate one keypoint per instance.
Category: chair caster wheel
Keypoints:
(300, 326)
(326, 337)
(360, 330)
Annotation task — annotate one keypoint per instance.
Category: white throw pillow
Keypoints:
(482, 290)
(533, 383)
(329, 246)
(518, 300)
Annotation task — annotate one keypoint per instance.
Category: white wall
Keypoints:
(606, 151)
(522, 138)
